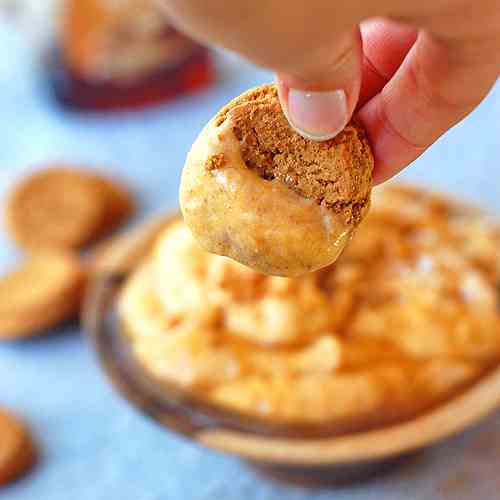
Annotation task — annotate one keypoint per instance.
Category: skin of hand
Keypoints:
(408, 70)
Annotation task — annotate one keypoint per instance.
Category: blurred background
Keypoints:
(54, 101)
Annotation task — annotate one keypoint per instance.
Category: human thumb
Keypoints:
(320, 96)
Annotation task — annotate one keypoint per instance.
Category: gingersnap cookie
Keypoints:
(17, 450)
(45, 290)
(254, 190)
(64, 207)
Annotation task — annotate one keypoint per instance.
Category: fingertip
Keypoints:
(320, 97)
(316, 115)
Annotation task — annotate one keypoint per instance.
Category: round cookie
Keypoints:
(64, 207)
(254, 190)
(44, 291)
(54, 208)
(17, 451)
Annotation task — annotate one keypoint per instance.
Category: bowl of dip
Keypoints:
(329, 377)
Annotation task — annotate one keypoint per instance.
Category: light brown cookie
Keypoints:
(44, 291)
(17, 450)
(54, 208)
(64, 207)
(254, 190)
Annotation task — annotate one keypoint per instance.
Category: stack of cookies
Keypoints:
(51, 215)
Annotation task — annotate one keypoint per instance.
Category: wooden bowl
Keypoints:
(284, 452)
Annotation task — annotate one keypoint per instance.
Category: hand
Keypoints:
(409, 70)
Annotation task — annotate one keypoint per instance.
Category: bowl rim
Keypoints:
(448, 419)
(250, 438)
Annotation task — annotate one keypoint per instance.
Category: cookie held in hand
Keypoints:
(256, 191)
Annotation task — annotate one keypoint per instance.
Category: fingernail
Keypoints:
(317, 115)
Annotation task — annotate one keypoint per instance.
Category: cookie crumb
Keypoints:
(216, 162)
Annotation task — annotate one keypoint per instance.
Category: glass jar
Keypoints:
(115, 54)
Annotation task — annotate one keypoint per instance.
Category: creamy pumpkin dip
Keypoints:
(408, 315)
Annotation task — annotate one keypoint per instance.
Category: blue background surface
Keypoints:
(93, 445)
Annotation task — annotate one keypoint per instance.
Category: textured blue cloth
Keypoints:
(94, 446)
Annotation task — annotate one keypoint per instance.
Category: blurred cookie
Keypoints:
(63, 207)
(254, 190)
(17, 450)
(44, 291)
(54, 208)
